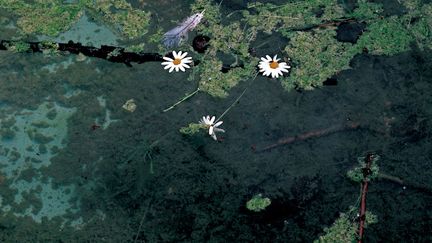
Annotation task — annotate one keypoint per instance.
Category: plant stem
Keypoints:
(366, 172)
(183, 99)
(235, 102)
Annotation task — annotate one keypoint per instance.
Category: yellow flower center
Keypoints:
(177, 61)
(274, 65)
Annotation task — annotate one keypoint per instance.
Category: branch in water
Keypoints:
(308, 135)
(109, 53)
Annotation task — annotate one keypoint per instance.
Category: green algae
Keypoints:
(316, 56)
(232, 40)
(344, 229)
(386, 36)
(258, 203)
(301, 22)
(52, 17)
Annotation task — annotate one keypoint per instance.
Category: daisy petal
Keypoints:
(184, 55)
(174, 54)
(212, 119)
(182, 68)
(211, 130)
(171, 69)
(268, 58)
(187, 60)
(218, 123)
(168, 59)
(284, 70)
(167, 66)
(218, 129)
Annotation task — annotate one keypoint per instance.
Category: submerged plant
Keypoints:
(358, 173)
(344, 229)
(258, 203)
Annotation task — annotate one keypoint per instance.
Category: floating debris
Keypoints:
(130, 105)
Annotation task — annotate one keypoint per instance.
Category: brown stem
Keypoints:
(365, 182)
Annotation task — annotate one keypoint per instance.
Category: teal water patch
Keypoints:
(106, 121)
(52, 68)
(87, 33)
(30, 138)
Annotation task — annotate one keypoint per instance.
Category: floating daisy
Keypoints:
(180, 62)
(272, 66)
(212, 127)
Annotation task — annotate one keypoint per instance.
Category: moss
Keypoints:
(51, 17)
(299, 14)
(367, 10)
(233, 40)
(135, 48)
(48, 17)
(316, 56)
(386, 36)
(258, 203)
(421, 28)
(356, 174)
(192, 128)
(121, 16)
(19, 46)
(344, 229)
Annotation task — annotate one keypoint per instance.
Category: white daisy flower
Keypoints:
(180, 62)
(212, 127)
(272, 66)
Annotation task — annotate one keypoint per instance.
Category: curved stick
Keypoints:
(311, 134)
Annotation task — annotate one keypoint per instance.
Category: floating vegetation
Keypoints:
(52, 17)
(258, 203)
(316, 56)
(344, 229)
(309, 27)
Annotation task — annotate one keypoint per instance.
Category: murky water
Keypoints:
(75, 166)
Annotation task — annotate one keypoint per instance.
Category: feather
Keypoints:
(175, 36)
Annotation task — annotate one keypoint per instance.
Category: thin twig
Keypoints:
(183, 99)
(142, 220)
(235, 102)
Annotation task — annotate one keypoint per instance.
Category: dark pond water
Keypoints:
(77, 167)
